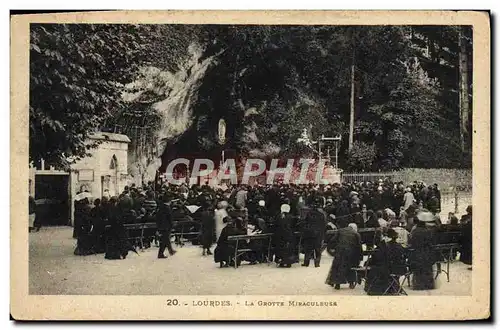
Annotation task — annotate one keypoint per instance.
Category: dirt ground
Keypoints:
(54, 270)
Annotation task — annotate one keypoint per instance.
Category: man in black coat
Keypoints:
(313, 233)
(164, 227)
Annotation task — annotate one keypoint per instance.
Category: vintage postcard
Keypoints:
(250, 165)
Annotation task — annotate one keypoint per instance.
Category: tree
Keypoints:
(270, 82)
(77, 72)
(446, 54)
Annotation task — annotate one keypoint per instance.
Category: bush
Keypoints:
(361, 157)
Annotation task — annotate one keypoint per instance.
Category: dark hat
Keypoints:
(391, 233)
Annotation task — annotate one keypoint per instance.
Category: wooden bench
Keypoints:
(446, 252)
(136, 232)
(180, 235)
(239, 252)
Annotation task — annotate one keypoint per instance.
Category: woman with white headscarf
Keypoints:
(348, 254)
(284, 239)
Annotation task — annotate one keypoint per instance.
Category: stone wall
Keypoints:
(108, 163)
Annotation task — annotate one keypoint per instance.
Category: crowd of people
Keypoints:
(404, 217)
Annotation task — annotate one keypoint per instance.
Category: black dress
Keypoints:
(348, 254)
(388, 259)
(117, 245)
(284, 239)
(207, 228)
(84, 245)
(225, 249)
(422, 259)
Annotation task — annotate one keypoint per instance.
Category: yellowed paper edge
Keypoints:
(26, 307)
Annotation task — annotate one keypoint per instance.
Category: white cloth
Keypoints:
(220, 214)
(408, 200)
(192, 208)
(402, 235)
(383, 223)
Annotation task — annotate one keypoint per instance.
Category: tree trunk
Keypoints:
(351, 117)
(463, 89)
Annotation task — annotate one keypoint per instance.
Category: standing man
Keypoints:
(313, 233)
(164, 226)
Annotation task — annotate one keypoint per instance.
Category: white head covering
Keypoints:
(262, 203)
(285, 208)
(223, 205)
(353, 226)
(425, 216)
(390, 213)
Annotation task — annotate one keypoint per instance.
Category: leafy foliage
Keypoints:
(76, 75)
(268, 83)
(361, 157)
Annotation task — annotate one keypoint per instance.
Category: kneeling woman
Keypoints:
(348, 254)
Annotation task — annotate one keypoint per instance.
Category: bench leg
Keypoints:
(182, 236)
(448, 265)
(269, 252)
(142, 239)
(236, 255)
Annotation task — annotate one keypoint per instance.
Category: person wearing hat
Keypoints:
(150, 205)
(343, 214)
(329, 207)
(313, 233)
(388, 259)
(348, 254)
(224, 250)
(466, 217)
(207, 224)
(283, 236)
(400, 231)
(164, 226)
(466, 238)
(354, 197)
(261, 211)
(423, 257)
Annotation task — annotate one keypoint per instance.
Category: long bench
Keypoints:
(180, 235)
(137, 232)
(239, 252)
